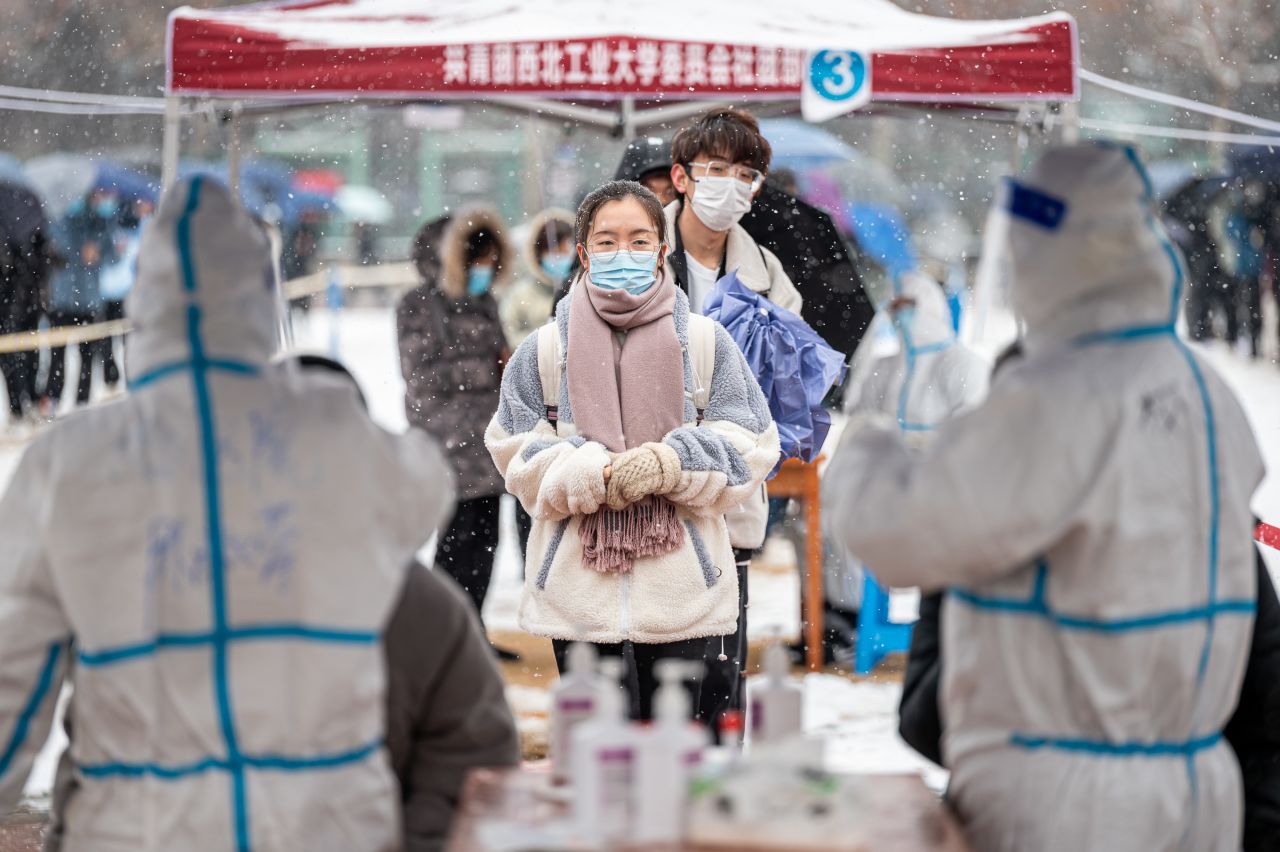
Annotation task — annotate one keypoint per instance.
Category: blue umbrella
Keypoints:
(882, 232)
(797, 142)
(11, 171)
(795, 367)
(128, 185)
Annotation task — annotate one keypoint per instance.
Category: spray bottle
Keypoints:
(669, 755)
(774, 702)
(573, 701)
(604, 749)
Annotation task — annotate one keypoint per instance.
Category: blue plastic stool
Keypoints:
(877, 635)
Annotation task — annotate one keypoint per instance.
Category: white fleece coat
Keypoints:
(559, 477)
(216, 555)
(1091, 522)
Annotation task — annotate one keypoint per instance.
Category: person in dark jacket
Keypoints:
(451, 353)
(27, 258)
(88, 240)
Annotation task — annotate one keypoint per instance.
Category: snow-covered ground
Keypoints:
(859, 718)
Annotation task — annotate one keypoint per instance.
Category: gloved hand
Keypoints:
(651, 468)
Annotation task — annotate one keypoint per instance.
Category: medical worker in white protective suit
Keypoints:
(930, 377)
(215, 557)
(1091, 522)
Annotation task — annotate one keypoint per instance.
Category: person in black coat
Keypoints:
(27, 258)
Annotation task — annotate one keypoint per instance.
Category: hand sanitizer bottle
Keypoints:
(669, 755)
(774, 701)
(604, 749)
(572, 701)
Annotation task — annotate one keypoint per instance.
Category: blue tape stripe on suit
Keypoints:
(266, 762)
(1030, 606)
(32, 707)
(164, 371)
(302, 632)
(1129, 749)
(217, 566)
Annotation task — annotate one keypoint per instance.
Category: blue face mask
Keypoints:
(622, 272)
(557, 265)
(904, 316)
(106, 209)
(478, 280)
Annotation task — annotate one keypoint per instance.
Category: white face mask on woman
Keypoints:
(720, 202)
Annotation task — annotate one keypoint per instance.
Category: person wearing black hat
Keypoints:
(647, 161)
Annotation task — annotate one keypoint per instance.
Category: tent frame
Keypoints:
(1059, 119)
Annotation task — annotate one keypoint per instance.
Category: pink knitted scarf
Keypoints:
(624, 393)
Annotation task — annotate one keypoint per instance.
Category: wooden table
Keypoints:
(801, 481)
(901, 814)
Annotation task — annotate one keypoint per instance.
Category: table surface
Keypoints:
(902, 815)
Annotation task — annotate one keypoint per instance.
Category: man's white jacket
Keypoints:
(213, 559)
(1091, 523)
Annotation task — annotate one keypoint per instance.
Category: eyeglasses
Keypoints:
(641, 249)
(717, 168)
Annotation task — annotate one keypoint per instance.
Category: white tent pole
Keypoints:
(559, 109)
(172, 134)
(627, 117)
(673, 112)
(232, 119)
(1067, 126)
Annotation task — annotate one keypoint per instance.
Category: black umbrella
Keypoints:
(20, 214)
(1255, 162)
(820, 262)
(1189, 203)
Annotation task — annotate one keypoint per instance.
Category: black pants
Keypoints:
(722, 689)
(58, 359)
(20, 369)
(1250, 293)
(112, 348)
(524, 523)
(640, 659)
(466, 549)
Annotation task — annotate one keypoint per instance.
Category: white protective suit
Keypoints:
(931, 377)
(1092, 523)
(216, 555)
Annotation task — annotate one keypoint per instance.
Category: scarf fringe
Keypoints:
(613, 541)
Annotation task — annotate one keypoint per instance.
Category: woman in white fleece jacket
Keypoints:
(626, 479)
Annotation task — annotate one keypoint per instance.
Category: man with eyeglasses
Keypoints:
(719, 165)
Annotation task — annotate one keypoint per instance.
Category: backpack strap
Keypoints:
(702, 359)
(549, 370)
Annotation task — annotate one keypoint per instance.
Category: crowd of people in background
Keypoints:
(1229, 232)
(72, 272)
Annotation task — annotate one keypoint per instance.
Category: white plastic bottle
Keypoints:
(774, 702)
(604, 751)
(573, 701)
(669, 755)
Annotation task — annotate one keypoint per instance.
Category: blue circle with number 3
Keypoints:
(837, 75)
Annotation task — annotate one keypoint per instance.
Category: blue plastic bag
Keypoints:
(793, 364)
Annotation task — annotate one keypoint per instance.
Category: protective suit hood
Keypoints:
(204, 263)
(931, 322)
(1088, 255)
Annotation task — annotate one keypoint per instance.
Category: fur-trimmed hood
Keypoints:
(439, 249)
(529, 252)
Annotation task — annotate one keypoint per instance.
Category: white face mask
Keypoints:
(720, 202)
